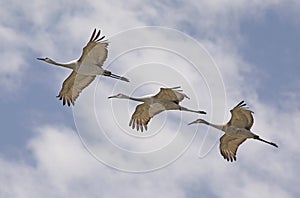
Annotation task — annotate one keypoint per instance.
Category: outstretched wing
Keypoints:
(229, 146)
(241, 117)
(171, 94)
(143, 113)
(95, 52)
(73, 86)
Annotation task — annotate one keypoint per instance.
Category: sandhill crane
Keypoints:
(84, 69)
(237, 130)
(165, 99)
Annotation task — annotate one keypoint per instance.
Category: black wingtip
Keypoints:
(241, 103)
(100, 38)
(98, 34)
(93, 34)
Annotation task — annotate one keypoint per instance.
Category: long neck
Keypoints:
(132, 98)
(217, 126)
(137, 99)
(70, 65)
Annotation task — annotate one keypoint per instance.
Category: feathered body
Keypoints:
(237, 130)
(85, 69)
(165, 99)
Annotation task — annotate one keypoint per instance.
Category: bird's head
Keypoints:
(48, 60)
(199, 121)
(118, 96)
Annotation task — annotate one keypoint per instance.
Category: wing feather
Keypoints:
(95, 52)
(171, 94)
(229, 146)
(241, 117)
(143, 113)
(73, 86)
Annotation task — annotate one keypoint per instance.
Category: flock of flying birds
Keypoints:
(89, 65)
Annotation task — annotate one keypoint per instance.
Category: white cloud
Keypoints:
(13, 63)
(63, 168)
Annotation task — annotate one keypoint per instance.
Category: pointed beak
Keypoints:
(111, 97)
(40, 59)
(194, 122)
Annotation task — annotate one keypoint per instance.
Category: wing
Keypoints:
(73, 86)
(229, 146)
(241, 117)
(143, 113)
(171, 94)
(95, 52)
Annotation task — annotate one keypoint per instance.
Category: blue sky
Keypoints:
(253, 45)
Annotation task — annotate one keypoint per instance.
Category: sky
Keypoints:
(219, 52)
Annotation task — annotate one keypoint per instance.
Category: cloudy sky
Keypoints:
(219, 52)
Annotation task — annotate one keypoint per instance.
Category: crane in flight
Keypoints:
(84, 69)
(165, 99)
(237, 130)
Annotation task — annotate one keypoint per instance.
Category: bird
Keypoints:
(165, 99)
(84, 69)
(237, 130)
